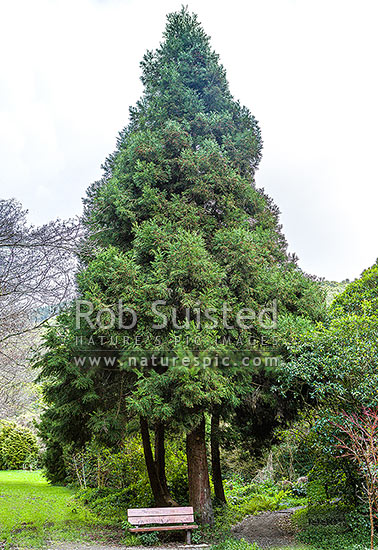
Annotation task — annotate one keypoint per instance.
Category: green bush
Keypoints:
(331, 476)
(293, 456)
(149, 539)
(114, 480)
(308, 448)
(18, 447)
(131, 540)
(321, 514)
(332, 527)
(100, 467)
(111, 503)
(54, 466)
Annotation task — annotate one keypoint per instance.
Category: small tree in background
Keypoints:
(18, 446)
(359, 442)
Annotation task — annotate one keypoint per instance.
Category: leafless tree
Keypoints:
(359, 443)
(37, 269)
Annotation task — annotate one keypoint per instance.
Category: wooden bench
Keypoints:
(162, 519)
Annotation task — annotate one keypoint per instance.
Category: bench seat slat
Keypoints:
(187, 518)
(166, 511)
(163, 528)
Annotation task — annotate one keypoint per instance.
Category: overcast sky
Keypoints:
(307, 69)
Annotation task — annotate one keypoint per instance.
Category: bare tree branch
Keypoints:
(37, 276)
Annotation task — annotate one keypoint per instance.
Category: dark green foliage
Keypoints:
(360, 296)
(338, 363)
(53, 462)
(149, 539)
(18, 447)
(339, 359)
(333, 527)
(177, 217)
(115, 480)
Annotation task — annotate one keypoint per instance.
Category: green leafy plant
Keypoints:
(123, 477)
(332, 527)
(131, 540)
(18, 447)
(149, 539)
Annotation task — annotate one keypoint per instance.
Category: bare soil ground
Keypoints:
(268, 529)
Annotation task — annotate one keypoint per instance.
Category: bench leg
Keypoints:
(188, 537)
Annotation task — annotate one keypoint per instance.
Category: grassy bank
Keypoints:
(32, 511)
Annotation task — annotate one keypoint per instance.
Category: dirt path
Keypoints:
(91, 546)
(268, 529)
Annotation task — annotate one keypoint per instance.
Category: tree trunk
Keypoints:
(198, 474)
(160, 455)
(215, 459)
(161, 497)
(160, 461)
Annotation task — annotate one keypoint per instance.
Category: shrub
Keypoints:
(110, 503)
(332, 527)
(322, 514)
(100, 467)
(54, 466)
(149, 539)
(18, 447)
(131, 540)
(293, 456)
(113, 480)
(308, 448)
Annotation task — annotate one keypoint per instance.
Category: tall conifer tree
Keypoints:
(177, 218)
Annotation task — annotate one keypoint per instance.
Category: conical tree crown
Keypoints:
(185, 82)
(187, 136)
(184, 77)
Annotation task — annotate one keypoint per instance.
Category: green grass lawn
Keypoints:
(32, 511)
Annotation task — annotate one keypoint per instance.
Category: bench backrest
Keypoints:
(144, 516)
